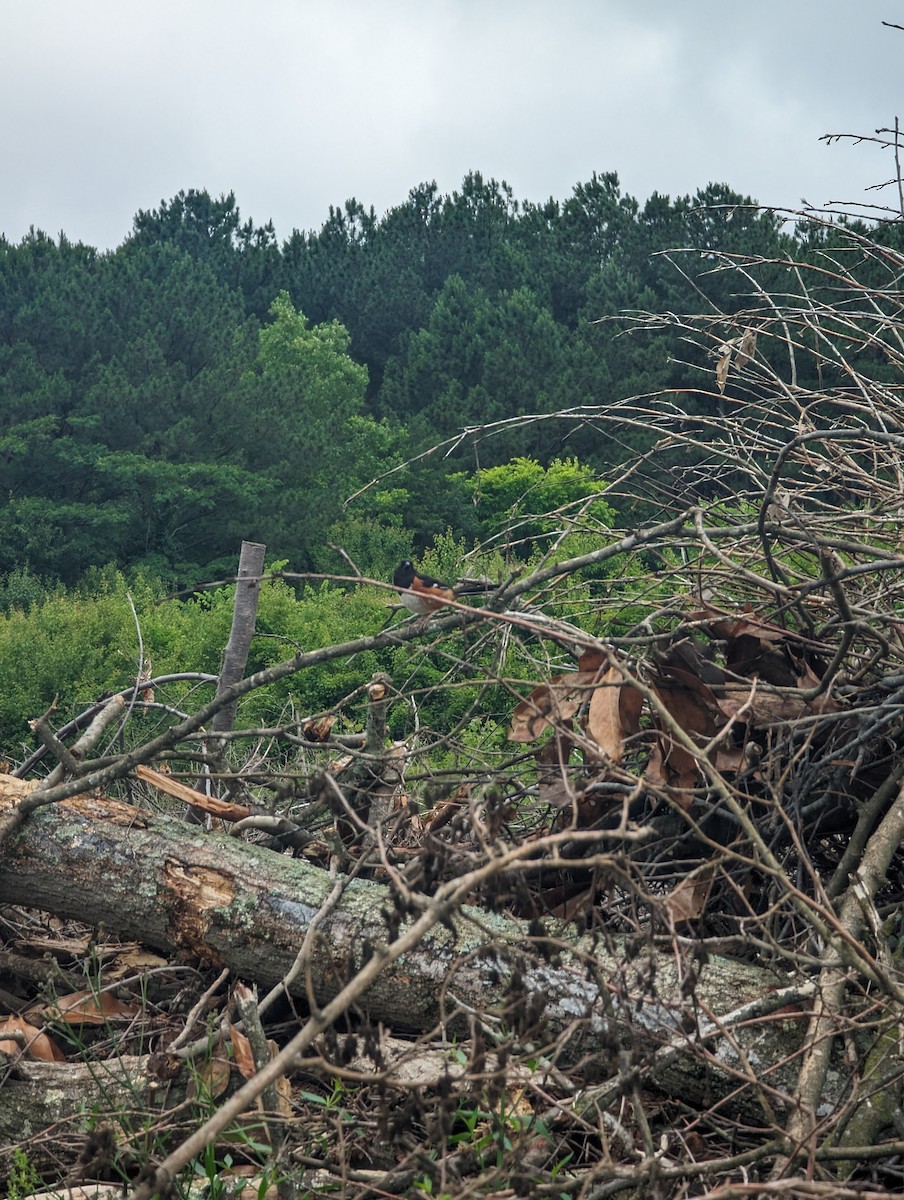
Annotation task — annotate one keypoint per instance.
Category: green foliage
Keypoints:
(479, 359)
(440, 697)
(242, 255)
(23, 1179)
(375, 539)
(528, 500)
(201, 384)
(444, 558)
(75, 646)
(308, 433)
(71, 647)
(21, 588)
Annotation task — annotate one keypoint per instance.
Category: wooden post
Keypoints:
(235, 657)
(244, 616)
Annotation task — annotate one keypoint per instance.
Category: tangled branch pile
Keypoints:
(682, 971)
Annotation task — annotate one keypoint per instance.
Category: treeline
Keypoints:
(203, 383)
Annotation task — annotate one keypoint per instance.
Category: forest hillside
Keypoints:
(202, 383)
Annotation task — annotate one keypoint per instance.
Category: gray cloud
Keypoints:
(108, 107)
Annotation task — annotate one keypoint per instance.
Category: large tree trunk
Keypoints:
(229, 903)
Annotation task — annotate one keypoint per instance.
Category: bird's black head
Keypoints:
(404, 574)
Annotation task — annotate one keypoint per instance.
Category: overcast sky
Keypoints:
(110, 106)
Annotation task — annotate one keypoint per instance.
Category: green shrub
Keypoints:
(76, 646)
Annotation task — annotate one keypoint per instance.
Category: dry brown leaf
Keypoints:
(132, 961)
(88, 1008)
(807, 677)
(655, 773)
(592, 660)
(687, 899)
(746, 348)
(687, 708)
(614, 713)
(730, 761)
(242, 1054)
(318, 730)
(675, 766)
(758, 647)
(722, 367)
(671, 766)
(550, 704)
(603, 720)
(824, 703)
(37, 1044)
(212, 1076)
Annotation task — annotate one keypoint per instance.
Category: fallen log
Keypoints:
(209, 897)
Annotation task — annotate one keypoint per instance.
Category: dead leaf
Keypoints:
(242, 1054)
(746, 348)
(687, 899)
(592, 660)
(824, 703)
(676, 767)
(614, 713)
(722, 367)
(132, 961)
(318, 730)
(550, 704)
(37, 1044)
(671, 766)
(731, 761)
(89, 1008)
(655, 772)
(212, 1076)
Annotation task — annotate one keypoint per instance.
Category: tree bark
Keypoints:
(244, 618)
(235, 660)
(207, 896)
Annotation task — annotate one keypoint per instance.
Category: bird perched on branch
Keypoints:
(422, 594)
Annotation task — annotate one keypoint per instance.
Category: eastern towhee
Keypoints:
(422, 594)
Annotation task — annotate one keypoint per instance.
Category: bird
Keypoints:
(422, 594)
